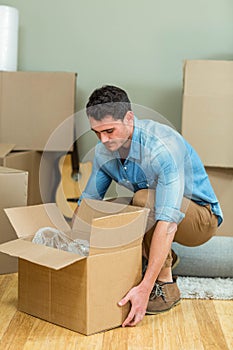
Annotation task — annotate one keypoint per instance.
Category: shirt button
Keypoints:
(125, 167)
(147, 185)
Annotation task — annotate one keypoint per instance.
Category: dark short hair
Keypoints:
(108, 100)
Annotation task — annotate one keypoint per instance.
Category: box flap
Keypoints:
(110, 224)
(118, 230)
(40, 254)
(5, 149)
(28, 220)
(91, 208)
(4, 170)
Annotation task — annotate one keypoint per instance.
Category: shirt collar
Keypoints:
(135, 149)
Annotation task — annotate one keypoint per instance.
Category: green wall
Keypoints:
(137, 45)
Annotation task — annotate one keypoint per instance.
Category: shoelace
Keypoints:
(157, 291)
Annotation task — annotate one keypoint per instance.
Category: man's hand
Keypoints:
(138, 297)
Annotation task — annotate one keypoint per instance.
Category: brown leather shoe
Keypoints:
(163, 297)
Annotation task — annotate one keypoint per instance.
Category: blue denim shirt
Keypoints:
(160, 159)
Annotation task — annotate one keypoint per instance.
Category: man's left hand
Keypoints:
(138, 297)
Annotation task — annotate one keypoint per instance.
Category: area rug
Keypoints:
(205, 288)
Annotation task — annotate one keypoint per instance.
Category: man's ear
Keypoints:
(129, 117)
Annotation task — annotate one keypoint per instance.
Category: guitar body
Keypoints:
(71, 187)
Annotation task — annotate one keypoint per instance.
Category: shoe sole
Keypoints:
(162, 311)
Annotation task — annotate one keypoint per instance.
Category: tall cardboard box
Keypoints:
(13, 193)
(77, 292)
(207, 124)
(207, 112)
(36, 107)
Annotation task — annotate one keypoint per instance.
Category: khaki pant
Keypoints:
(197, 227)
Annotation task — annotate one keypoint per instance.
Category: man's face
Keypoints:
(113, 133)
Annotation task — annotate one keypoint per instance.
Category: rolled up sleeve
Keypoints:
(170, 188)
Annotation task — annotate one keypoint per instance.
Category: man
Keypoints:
(166, 175)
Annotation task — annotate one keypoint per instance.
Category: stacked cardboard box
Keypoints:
(207, 123)
(36, 128)
(33, 105)
(13, 193)
(28, 161)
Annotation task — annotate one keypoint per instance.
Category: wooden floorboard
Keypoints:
(192, 325)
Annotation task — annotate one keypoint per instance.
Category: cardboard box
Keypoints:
(222, 182)
(13, 193)
(49, 176)
(207, 124)
(33, 108)
(42, 168)
(73, 291)
(207, 121)
(28, 161)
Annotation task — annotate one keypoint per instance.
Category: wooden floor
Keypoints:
(192, 325)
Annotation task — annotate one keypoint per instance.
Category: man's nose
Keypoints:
(104, 138)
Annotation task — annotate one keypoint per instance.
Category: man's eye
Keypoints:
(109, 131)
(97, 133)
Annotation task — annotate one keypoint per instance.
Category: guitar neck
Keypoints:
(75, 159)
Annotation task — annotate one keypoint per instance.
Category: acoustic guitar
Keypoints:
(74, 177)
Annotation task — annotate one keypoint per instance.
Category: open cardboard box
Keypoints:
(77, 292)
